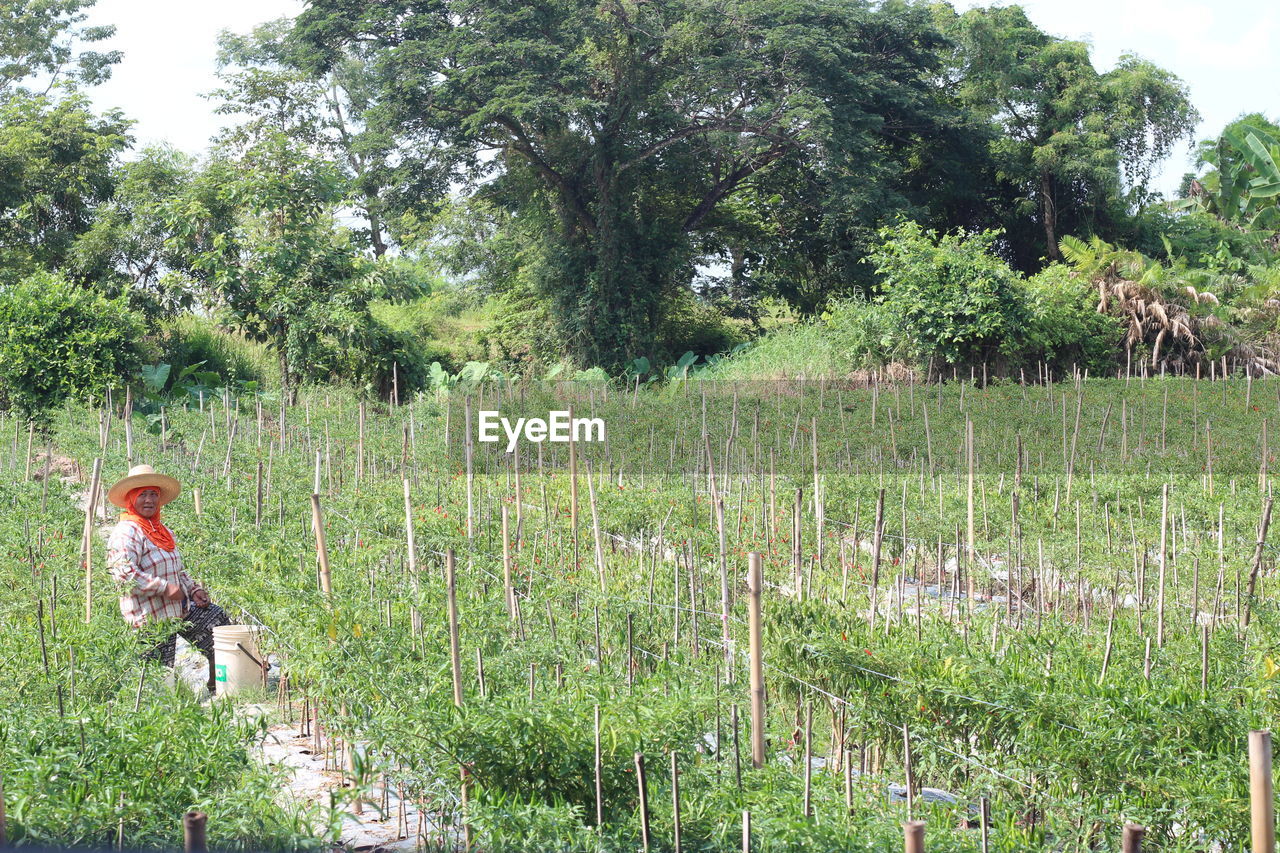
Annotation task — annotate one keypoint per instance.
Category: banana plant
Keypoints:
(1244, 184)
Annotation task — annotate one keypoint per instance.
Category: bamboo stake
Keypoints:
(1204, 659)
(1132, 841)
(913, 836)
(1257, 560)
(451, 591)
(1164, 561)
(87, 544)
(970, 547)
(808, 759)
(193, 832)
(1261, 802)
(128, 426)
(573, 486)
(755, 582)
(322, 550)
(599, 772)
(675, 801)
(595, 526)
(468, 452)
(410, 545)
(644, 801)
(508, 589)
(746, 831)
(876, 542)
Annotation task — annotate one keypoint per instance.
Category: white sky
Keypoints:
(1227, 51)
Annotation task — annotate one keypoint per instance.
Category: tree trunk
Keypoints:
(287, 391)
(376, 240)
(1050, 218)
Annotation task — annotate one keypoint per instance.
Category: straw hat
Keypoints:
(144, 475)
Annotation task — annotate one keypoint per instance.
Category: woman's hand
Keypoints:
(200, 598)
(173, 592)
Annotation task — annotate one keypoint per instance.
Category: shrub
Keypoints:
(1065, 328)
(862, 334)
(58, 340)
(189, 340)
(691, 325)
(950, 295)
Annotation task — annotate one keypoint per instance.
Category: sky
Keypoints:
(1228, 53)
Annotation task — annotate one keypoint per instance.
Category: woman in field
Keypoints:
(143, 557)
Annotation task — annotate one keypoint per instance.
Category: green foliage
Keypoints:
(41, 36)
(65, 784)
(1073, 144)
(619, 142)
(134, 245)
(56, 160)
(953, 300)
(862, 334)
(796, 351)
(691, 325)
(189, 342)
(62, 341)
(1243, 184)
(1065, 330)
(1201, 239)
(285, 274)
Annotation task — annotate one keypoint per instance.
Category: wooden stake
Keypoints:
(1164, 562)
(675, 801)
(1132, 840)
(322, 550)
(755, 583)
(808, 759)
(970, 546)
(876, 542)
(595, 524)
(573, 485)
(90, 512)
(451, 592)
(193, 832)
(913, 836)
(1257, 560)
(644, 801)
(599, 773)
(1261, 802)
(509, 590)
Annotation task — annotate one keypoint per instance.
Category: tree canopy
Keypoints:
(625, 127)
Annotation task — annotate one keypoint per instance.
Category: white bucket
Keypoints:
(233, 669)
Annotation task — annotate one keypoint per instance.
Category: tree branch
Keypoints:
(729, 183)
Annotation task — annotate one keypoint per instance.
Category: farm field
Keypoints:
(1053, 604)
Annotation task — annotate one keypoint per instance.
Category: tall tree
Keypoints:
(39, 37)
(56, 169)
(281, 269)
(264, 86)
(145, 240)
(622, 127)
(1076, 144)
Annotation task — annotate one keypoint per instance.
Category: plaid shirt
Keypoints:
(142, 571)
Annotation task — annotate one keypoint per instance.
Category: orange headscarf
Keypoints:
(153, 527)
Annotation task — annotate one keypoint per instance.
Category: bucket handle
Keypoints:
(263, 666)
